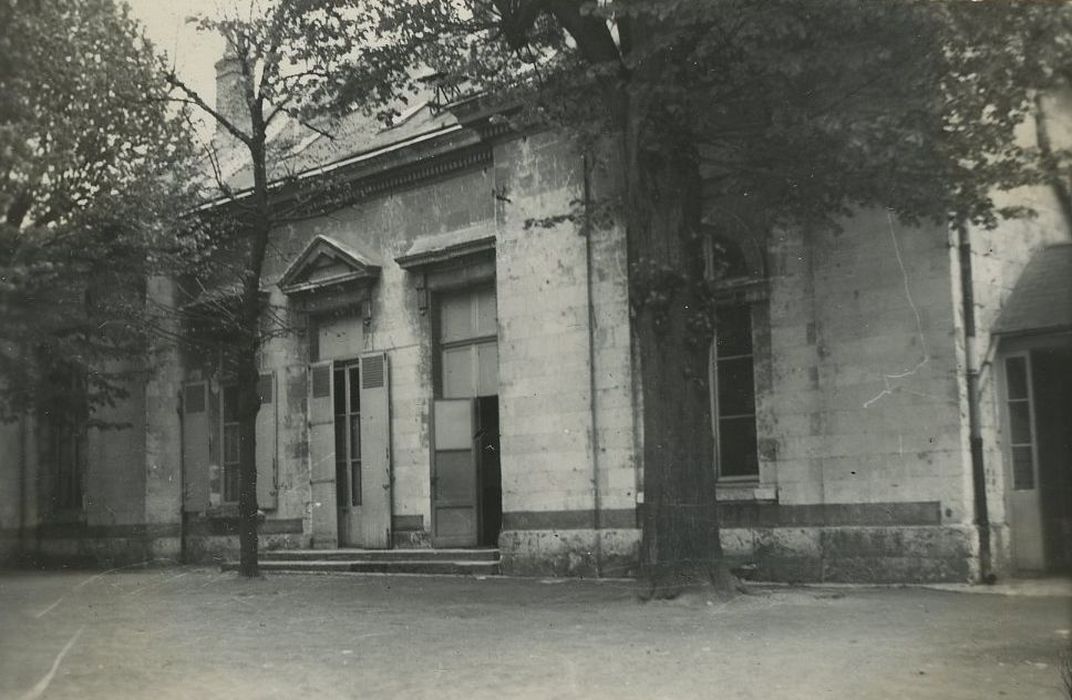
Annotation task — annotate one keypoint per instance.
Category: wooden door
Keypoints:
(1025, 510)
(322, 456)
(455, 506)
(374, 512)
(362, 451)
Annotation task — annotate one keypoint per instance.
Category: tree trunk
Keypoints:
(248, 406)
(249, 401)
(671, 331)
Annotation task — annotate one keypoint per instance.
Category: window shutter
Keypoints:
(267, 446)
(322, 455)
(375, 450)
(195, 447)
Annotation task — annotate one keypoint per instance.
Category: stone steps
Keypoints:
(471, 562)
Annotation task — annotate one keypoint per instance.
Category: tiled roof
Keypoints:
(1042, 298)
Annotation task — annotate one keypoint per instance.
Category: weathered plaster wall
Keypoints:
(862, 426)
(567, 420)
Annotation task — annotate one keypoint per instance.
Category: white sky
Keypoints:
(193, 53)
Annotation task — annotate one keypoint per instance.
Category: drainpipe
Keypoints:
(982, 516)
(23, 483)
(182, 480)
(597, 499)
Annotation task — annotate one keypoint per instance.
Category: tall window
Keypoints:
(232, 450)
(348, 434)
(1021, 428)
(65, 412)
(468, 344)
(69, 449)
(734, 401)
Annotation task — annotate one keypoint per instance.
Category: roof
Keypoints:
(294, 148)
(1042, 298)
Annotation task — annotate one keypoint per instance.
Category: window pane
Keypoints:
(733, 330)
(1016, 377)
(340, 437)
(456, 317)
(230, 404)
(1020, 422)
(487, 323)
(355, 482)
(355, 437)
(487, 359)
(340, 392)
(735, 387)
(230, 483)
(355, 391)
(1023, 469)
(458, 373)
(230, 443)
(340, 484)
(737, 447)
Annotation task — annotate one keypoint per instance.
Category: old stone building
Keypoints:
(891, 403)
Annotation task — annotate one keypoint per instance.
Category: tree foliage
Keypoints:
(91, 179)
(288, 56)
(806, 108)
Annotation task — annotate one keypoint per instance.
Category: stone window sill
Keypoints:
(745, 491)
(727, 492)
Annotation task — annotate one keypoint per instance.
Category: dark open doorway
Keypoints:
(488, 470)
(1052, 385)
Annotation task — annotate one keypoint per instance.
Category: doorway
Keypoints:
(466, 468)
(466, 474)
(1038, 400)
(348, 495)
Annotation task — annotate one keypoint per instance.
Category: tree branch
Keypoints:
(192, 97)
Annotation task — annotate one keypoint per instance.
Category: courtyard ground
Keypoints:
(198, 633)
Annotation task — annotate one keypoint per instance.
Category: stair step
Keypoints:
(380, 555)
(422, 566)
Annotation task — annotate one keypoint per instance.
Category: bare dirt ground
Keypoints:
(197, 633)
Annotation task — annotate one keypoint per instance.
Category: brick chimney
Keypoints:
(230, 95)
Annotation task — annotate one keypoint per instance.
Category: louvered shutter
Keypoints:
(375, 451)
(322, 455)
(267, 452)
(195, 447)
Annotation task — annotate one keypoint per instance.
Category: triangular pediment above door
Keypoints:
(326, 263)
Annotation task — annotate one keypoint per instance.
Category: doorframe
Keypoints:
(1008, 477)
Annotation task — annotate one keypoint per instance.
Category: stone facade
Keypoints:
(859, 380)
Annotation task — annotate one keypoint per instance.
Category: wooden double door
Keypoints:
(350, 452)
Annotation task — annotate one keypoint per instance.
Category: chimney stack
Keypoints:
(230, 95)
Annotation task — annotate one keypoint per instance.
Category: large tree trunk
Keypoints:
(671, 330)
(249, 401)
